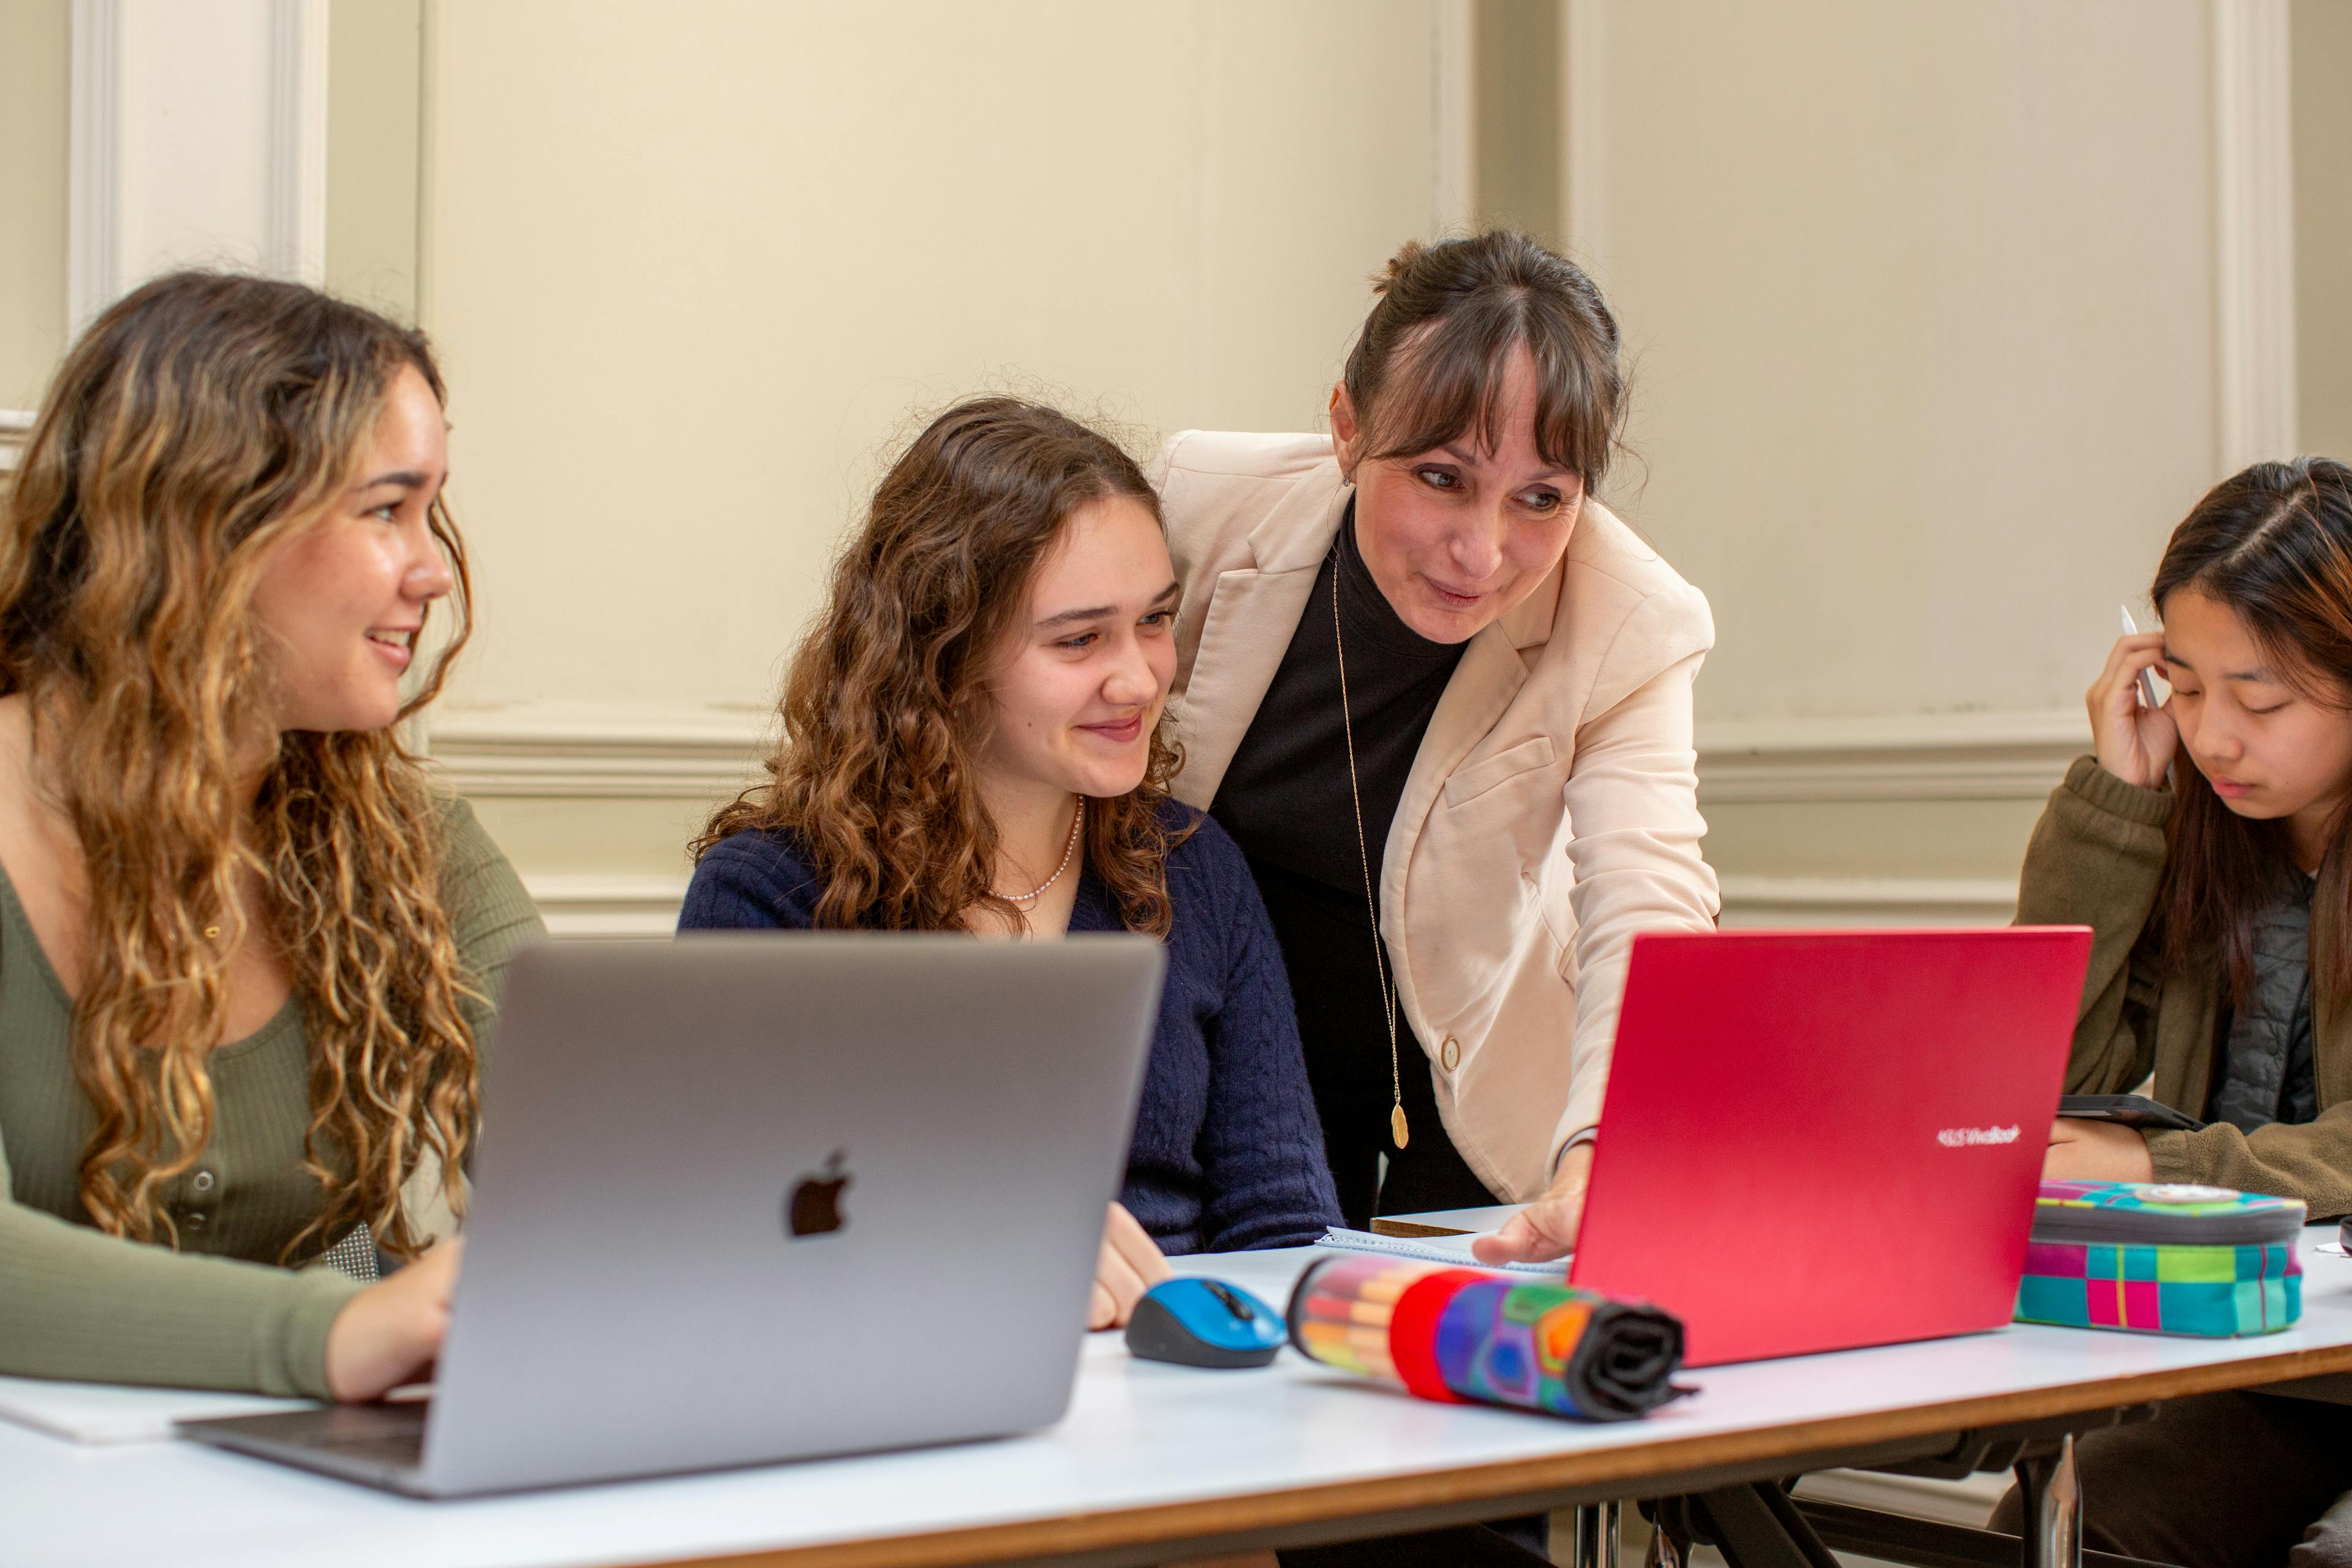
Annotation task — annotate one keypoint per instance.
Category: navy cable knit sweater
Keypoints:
(1227, 1152)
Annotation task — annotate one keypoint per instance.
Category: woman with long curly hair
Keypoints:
(247, 949)
(970, 741)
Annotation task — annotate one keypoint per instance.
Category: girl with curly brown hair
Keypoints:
(247, 949)
(971, 742)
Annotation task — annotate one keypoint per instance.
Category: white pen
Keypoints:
(2147, 682)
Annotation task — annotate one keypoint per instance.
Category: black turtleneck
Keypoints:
(1284, 797)
(1285, 800)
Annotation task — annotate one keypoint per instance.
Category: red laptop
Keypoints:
(1815, 1141)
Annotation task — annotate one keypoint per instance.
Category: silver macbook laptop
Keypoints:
(744, 1198)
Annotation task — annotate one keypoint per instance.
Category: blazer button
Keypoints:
(1449, 1054)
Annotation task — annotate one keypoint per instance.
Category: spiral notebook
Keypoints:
(1449, 1249)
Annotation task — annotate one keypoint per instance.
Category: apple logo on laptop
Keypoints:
(813, 1205)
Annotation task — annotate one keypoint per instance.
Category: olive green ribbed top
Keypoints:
(219, 1312)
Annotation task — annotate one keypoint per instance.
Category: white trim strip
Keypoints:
(1961, 756)
(2253, 232)
(593, 907)
(573, 750)
(562, 750)
(296, 242)
(590, 906)
(1765, 901)
(94, 164)
(16, 429)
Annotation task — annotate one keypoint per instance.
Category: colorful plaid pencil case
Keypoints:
(2162, 1259)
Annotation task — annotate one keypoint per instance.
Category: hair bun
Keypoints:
(1399, 265)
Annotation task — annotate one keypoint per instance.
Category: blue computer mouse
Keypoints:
(1204, 1322)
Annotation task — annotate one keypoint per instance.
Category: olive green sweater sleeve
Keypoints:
(2311, 1161)
(2095, 859)
(76, 1303)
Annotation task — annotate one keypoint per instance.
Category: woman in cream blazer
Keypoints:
(1549, 811)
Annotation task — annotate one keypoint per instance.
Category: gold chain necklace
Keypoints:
(1397, 1129)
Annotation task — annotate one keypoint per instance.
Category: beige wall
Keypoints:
(2322, 202)
(35, 43)
(374, 107)
(1920, 299)
(692, 281)
(1921, 302)
(1516, 179)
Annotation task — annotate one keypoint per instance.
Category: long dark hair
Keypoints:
(887, 696)
(2275, 544)
(1429, 366)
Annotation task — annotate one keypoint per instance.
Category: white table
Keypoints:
(1153, 1463)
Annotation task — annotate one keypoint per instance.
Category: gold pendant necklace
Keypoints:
(1397, 1128)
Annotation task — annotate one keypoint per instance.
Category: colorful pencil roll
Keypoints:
(1456, 1335)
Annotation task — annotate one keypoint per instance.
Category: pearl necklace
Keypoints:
(1033, 894)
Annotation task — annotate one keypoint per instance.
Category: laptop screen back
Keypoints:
(1816, 1140)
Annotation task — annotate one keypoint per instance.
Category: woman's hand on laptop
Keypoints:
(1546, 1229)
(2084, 1150)
(389, 1334)
(1128, 1265)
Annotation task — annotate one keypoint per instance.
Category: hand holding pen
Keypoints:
(2131, 731)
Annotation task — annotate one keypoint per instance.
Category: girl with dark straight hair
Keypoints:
(2208, 842)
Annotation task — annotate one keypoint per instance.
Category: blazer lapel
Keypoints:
(1491, 670)
(1253, 612)
(1243, 640)
(1489, 675)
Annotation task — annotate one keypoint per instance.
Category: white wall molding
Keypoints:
(16, 429)
(592, 907)
(2253, 228)
(297, 221)
(556, 751)
(198, 137)
(565, 750)
(555, 748)
(595, 908)
(94, 162)
(1961, 756)
(1765, 901)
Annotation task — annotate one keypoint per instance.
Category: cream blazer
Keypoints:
(1551, 812)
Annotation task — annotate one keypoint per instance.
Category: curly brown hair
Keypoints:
(201, 423)
(887, 702)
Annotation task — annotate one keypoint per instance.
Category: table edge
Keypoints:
(1214, 1518)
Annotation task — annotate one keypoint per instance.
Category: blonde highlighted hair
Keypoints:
(198, 425)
